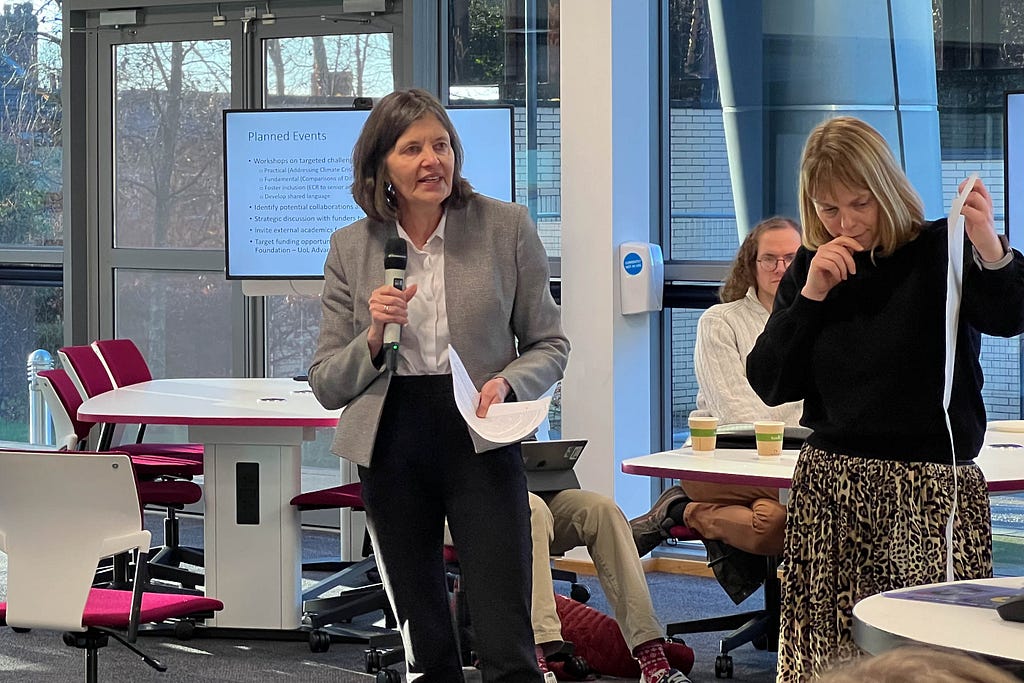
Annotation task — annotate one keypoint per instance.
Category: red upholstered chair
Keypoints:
(72, 433)
(89, 373)
(123, 361)
(60, 513)
(161, 477)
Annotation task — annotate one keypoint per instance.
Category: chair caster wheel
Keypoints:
(319, 641)
(19, 629)
(577, 667)
(723, 666)
(184, 630)
(388, 676)
(579, 592)
(371, 661)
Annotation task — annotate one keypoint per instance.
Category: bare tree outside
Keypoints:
(327, 70)
(30, 192)
(169, 194)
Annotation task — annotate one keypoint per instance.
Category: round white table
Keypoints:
(881, 622)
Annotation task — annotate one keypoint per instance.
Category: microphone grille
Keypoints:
(395, 252)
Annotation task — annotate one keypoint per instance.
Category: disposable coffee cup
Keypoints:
(703, 432)
(768, 435)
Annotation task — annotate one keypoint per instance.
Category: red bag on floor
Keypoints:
(597, 639)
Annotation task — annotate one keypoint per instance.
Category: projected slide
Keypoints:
(288, 175)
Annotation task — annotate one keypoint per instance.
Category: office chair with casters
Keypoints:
(329, 618)
(164, 479)
(758, 627)
(60, 513)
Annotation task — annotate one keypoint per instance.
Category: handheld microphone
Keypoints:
(394, 274)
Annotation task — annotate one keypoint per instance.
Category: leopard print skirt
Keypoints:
(860, 526)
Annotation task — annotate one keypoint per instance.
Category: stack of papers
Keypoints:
(505, 422)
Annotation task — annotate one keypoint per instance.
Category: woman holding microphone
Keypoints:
(476, 278)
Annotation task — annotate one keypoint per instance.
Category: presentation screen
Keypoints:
(1013, 159)
(288, 178)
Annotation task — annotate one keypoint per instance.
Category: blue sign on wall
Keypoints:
(633, 263)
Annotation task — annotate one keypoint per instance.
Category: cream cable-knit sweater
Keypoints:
(725, 335)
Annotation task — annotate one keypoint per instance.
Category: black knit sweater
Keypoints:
(868, 360)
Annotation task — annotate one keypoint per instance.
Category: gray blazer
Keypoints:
(497, 294)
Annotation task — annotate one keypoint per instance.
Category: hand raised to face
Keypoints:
(832, 263)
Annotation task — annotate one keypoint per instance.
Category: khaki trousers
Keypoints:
(573, 518)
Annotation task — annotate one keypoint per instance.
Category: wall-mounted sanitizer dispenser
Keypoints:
(641, 277)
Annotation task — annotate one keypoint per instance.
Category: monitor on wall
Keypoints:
(288, 177)
(1013, 165)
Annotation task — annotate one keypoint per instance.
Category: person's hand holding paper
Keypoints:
(505, 422)
(975, 205)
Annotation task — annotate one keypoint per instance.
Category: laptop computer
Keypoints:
(549, 464)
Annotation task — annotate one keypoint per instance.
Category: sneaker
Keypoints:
(670, 676)
(651, 528)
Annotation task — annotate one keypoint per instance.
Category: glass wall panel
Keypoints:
(979, 55)
(173, 316)
(313, 71)
(178, 319)
(293, 323)
(30, 125)
(702, 220)
(316, 71)
(507, 52)
(32, 319)
(31, 198)
(168, 153)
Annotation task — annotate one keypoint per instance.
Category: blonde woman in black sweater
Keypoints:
(858, 333)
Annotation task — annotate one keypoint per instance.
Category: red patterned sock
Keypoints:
(542, 661)
(651, 656)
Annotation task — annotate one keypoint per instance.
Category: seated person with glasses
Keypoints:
(745, 517)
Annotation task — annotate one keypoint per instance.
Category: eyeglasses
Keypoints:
(770, 264)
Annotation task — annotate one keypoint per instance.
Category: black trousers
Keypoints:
(423, 470)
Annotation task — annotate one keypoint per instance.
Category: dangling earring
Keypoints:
(389, 194)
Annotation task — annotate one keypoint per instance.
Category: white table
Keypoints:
(1003, 467)
(251, 471)
(881, 623)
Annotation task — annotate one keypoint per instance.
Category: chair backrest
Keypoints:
(63, 399)
(123, 360)
(86, 370)
(59, 514)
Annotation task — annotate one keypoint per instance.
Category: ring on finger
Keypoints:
(387, 308)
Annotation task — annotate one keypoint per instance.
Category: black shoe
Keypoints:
(651, 528)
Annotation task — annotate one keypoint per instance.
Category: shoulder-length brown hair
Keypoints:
(847, 152)
(390, 118)
(743, 274)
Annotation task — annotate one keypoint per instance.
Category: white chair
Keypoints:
(60, 513)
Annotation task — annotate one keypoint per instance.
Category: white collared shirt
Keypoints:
(423, 349)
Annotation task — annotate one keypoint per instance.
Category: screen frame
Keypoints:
(227, 113)
(1013, 168)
